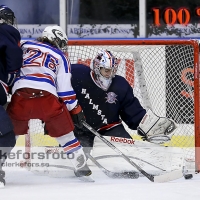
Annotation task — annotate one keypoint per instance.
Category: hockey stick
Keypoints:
(169, 176)
(126, 175)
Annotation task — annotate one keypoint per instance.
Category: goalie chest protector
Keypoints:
(106, 107)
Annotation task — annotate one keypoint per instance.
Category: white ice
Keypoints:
(25, 185)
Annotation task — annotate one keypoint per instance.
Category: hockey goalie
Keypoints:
(107, 99)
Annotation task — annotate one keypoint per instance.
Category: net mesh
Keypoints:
(162, 77)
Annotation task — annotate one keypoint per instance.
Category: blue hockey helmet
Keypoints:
(7, 15)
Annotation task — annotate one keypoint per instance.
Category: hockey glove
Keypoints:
(77, 116)
(156, 129)
(11, 78)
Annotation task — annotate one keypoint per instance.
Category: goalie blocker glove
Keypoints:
(156, 129)
(77, 116)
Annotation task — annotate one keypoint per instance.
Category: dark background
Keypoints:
(107, 12)
(93, 11)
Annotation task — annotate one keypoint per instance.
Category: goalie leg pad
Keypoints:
(156, 129)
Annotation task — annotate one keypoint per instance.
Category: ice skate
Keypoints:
(84, 174)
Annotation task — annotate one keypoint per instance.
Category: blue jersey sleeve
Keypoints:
(11, 52)
(131, 111)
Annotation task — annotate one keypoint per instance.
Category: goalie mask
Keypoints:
(7, 16)
(104, 67)
(56, 35)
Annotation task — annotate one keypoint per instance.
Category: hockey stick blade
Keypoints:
(125, 175)
(169, 176)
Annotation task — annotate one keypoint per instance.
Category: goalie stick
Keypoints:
(168, 176)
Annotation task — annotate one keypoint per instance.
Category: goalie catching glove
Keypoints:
(77, 116)
(156, 129)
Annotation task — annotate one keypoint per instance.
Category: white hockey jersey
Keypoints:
(47, 68)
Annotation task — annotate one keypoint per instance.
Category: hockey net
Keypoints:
(164, 75)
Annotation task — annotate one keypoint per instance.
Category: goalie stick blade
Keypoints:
(170, 176)
(123, 174)
(129, 174)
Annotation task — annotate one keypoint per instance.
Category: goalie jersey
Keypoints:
(106, 109)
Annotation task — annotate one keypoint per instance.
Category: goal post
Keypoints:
(164, 75)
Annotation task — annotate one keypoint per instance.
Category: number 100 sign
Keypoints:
(172, 16)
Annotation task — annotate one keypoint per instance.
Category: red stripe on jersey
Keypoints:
(71, 146)
(42, 76)
(68, 98)
(109, 126)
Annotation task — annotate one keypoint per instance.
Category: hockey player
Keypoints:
(107, 99)
(40, 92)
(10, 63)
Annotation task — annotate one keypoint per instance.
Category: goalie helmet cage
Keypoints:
(164, 75)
